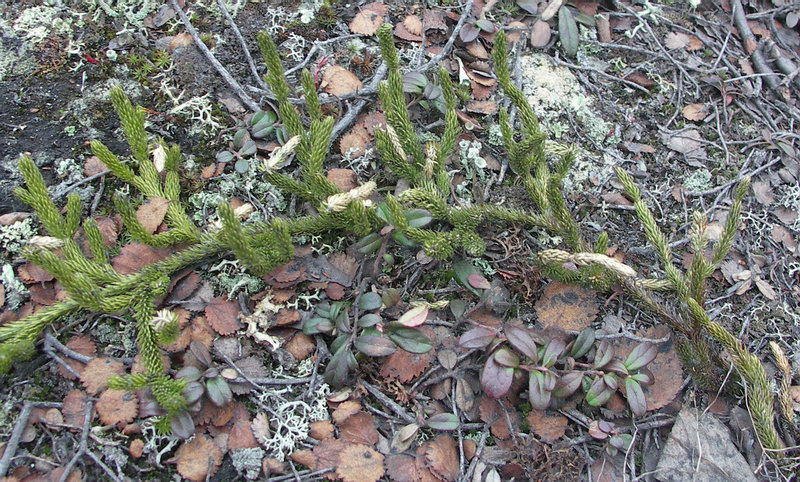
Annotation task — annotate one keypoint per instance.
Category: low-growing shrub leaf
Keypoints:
(635, 396)
(641, 355)
(376, 346)
(583, 343)
(443, 421)
(496, 379)
(522, 341)
(506, 358)
(477, 337)
(411, 339)
(414, 317)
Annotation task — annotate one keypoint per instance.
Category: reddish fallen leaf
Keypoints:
(29, 273)
(442, 457)
(222, 315)
(401, 468)
(359, 428)
(640, 79)
(354, 143)
(666, 367)
(301, 346)
(404, 366)
(567, 307)
(344, 179)
(540, 34)
(359, 463)
(338, 81)
(216, 416)
(497, 417)
(93, 166)
(151, 214)
(344, 410)
(135, 256)
(369, 19)
(74, 408)
(327, 454)
(117, 406)
(136, 448)
(549, 427)
(198, 459)
(241, 434)
(83, 345)
(321, 430)
(97, 372)
(402, 32)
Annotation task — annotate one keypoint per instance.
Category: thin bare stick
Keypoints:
(242, 44)
(389, 403)
(19, 429)
(450, 41)
(232, 83)
(84, 443)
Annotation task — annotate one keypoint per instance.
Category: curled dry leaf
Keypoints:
(301, 346)
(359, 463)
(401, 468)
(413, 24)
(223, 315)
(402, 32)
(97, 372)
(327, 453)
(567, 307)
(338, 81)
(260, 427)
(198, 459)
(117, 406)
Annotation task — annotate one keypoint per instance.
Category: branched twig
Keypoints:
(19, 429)
(388, 403)
(245, 50)
(232, 83)
(84, 443)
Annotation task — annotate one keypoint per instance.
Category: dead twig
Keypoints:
(388, 403)
(232, 83)
(19, 429)
(243, 45)
(83, 446)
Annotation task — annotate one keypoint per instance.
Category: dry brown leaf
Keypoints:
(196, 457)
(549, 427)
(413, 24)
(359, 428)
(222, 315)
(136, 448)
(286, 316)
(402, 32)
(695, 112)
(783, 236)
(763, 193)
(666, 367)
(480, 92)
(359, 463)
(75, 475)
(497, 417)
(97, 372)
(201, 331)
(83, 345)
(344, 410)
(117, 406)
(641, 79)
(304, 457)
(135, 256)
(260, 427)
(12, 218)
(689, 143)
(321, 429)
(327, 455)
(109, 229)
(338, 81)
(477, 50)
(241, 434)
(404, 366)
(567, 307)
(151, 214)
(74, 407)
(300, 346)
(29, 273)
(766, 289)
(334, 291)
(401, 468)
(344, 179)
(676, 40)
(354, 143)
(216, 416)
(485, 107)
(369, 19)
(540, 34)
(93, 166)
(442, 457)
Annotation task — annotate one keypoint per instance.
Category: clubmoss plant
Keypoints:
(92, 285)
